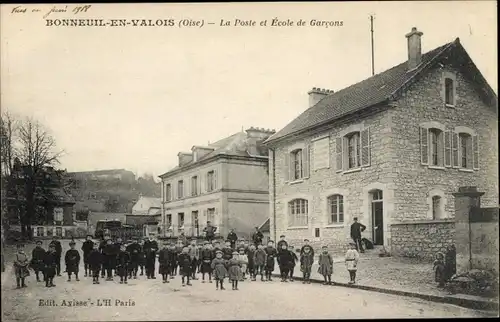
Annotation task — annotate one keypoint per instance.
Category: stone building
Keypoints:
(390, 150)
(225, 182)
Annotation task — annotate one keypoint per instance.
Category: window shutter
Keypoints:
(206, 181)
(424, 146)
(440, 149)
(447, 148)
(305, 161)
(475, 146)
(454, 150)
(338, 154)
(291, 166)
(215, 180)
(470, 153)
(286, 167)
(365, 147)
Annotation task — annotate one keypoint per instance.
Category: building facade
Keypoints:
(390, 150)
(225, 182)
(146, 206)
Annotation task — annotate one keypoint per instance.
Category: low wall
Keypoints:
(484, 239)
(421, 239)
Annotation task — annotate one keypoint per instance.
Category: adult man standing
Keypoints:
(58, 248)
(209, 231)
(232, 238)
(150, 249)
(356, 230)
(257, 237)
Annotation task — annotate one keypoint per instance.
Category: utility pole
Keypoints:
(373, 55)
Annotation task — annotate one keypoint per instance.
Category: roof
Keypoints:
(102, 172)
(236, 144)
(150, 202)
(266, 226)
(375, 90)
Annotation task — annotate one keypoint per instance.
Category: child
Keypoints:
(439, 270)
(142, 256)
(259, 262)
(285, 260)
(351, 262)
(173, 262)
(243, 258)
(228, 251)
(134, 249)
(251, 261)
(207, 256)
(219, 268)
(325, 265)
(194, 254)
(271, 253)
(295, 259)
(87, 247)
(72, 261)
(178, 251)
(185, 265)
(37, 257)
(165, 259)
(109, 258)
(306, 262)
(235, 271)
(95, 263)
(50, 261)
(21, 264)
(123, 261)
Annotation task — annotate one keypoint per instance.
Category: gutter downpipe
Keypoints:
(274, 193)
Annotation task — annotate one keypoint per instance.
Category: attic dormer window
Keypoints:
(449, 89)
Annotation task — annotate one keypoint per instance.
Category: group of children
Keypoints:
(212, 260)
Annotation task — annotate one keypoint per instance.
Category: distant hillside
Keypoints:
(110, 190)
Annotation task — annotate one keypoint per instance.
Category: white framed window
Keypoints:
(336, 209)
(297, 163)
(180, 220)
(465, 149)
(194, 186)
(180, 189)
(211, 215)
(436, 201)
(449, 88)
(298, 213)
(436, 149)
(296, 158)
(211, 181)
(168, 221)
(436, 146)
(168, 192)
(352, 149)
(436, 207)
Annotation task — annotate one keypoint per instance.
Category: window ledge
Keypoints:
(297, 227)
(436, 167)
(296, 181)
(335, 226)
(352, 170)
(465, 170)
(450, 105)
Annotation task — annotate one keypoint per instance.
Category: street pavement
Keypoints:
(144, 299)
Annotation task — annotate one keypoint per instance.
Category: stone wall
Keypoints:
(422, 239)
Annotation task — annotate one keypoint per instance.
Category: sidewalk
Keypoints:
(395, 275)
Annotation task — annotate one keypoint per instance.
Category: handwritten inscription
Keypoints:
(55, 9)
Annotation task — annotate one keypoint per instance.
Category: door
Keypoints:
(378, 222)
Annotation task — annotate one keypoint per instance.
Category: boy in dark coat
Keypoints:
(72, 261)
(232, 238)
(150, 250)
(185, 265)
(281, 242)
(37, 256)
(260, 262)
(306, 244)
(251, 261)
(306, 262)
(142, 256)
(50, 262)
(102, 245)
(207, 255)
(87, 247)
(178, 250)
(227, 251)
(285, 260)
(134, 249)
(295, 258)
(58, 251)
(123, 261)
(172, 253)
(271, 253)
(95, 263)
(165, 259)
(109, 259)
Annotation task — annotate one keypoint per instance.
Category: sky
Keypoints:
(131, 97)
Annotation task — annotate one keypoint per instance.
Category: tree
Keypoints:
(37, 151)
(8, 128)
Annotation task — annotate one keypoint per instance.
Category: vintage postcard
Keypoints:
(249, 161)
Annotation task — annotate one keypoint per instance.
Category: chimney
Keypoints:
(255, 136)
(414, 48)
(184, 158)
(317, 94)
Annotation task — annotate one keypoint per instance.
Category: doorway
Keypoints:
(377, 217)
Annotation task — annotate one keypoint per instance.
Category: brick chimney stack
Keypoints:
(317, 94)
(414, 48)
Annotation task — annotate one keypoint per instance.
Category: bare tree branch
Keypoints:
(8, 130)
